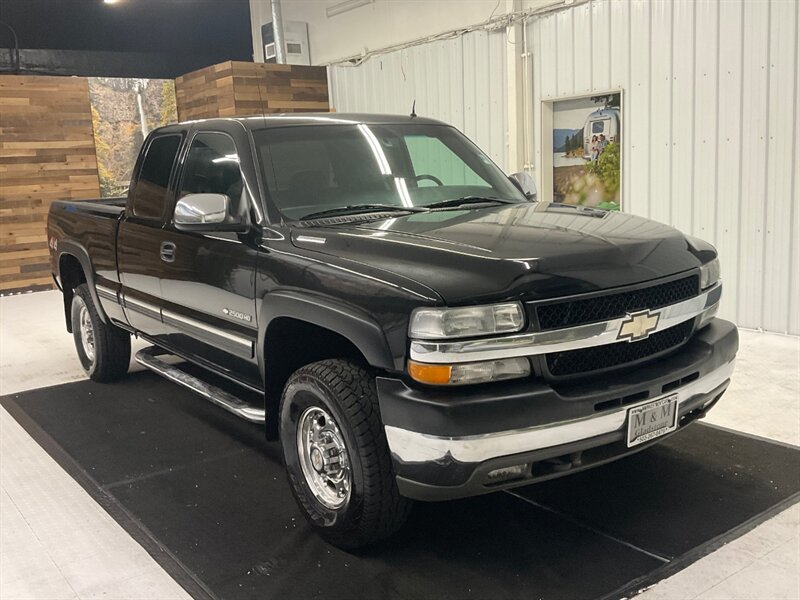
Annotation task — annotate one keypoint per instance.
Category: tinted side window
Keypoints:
(151, 187)
(212, 167)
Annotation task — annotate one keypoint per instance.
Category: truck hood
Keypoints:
(521, 251)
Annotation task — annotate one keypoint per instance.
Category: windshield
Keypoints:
(316, 168)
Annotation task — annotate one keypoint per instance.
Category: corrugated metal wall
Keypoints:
(461, 81)
(710, 119)
(710, 132)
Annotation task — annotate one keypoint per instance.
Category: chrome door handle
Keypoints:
(168, 252)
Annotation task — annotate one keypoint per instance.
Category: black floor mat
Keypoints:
(206, 495)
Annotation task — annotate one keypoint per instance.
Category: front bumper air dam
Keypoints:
(444, 443)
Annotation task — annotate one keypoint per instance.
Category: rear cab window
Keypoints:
(152, 184)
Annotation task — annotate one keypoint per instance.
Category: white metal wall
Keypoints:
(461, 81)
(710, 116)
(710, 132)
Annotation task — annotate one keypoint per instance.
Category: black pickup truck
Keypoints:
(408, 321)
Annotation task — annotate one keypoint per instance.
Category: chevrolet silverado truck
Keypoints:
(405, 319)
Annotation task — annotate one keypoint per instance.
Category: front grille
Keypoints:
(612, 306)
(600, 358)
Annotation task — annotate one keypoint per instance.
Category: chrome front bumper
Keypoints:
(412, 447)
(451, 443)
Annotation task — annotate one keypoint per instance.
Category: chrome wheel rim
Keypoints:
(86, 332)
(323, 457)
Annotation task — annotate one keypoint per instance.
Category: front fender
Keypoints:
(347, 321)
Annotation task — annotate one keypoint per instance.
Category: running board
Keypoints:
(148, 358)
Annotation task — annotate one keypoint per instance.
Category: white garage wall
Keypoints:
(461, 81)
(711, 127)
(378, 24)
(711, 119)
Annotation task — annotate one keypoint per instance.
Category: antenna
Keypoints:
(414, 108)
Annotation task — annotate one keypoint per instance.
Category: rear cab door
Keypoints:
(141, 249)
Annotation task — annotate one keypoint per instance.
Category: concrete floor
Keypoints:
(56, 542)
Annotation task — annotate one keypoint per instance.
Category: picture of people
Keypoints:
(586, 151)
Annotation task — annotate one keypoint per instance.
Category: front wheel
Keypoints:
(103, 349)
(336, 455)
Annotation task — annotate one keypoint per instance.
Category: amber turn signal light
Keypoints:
(430, 374)
(469, 373)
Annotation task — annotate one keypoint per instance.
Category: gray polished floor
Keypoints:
(56, 542)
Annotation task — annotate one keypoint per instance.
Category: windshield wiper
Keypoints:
(470, 200)
(354, 209)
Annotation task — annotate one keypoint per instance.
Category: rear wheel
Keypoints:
(336, 455)
(103, 349)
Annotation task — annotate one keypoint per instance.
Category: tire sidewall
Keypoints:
(301, 393)
(78, 301)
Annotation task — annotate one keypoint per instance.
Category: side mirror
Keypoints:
(206, 212)
(525, 183)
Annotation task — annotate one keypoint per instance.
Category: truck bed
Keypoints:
(105, 206)
(91, 224)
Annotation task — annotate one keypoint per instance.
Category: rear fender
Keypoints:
(78, 251)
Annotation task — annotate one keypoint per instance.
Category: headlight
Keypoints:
(465, 373)
(709, 274)
(707, 315)
(437, 323)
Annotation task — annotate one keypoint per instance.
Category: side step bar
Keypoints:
(148, 358)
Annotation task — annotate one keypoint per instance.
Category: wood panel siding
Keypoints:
(47, 147)
(46, 153)
(241, 88)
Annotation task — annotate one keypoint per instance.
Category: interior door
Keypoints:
(208, 289)
(140, 254)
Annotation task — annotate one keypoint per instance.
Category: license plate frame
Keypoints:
(651, 420)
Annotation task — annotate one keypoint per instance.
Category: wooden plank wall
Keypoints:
(46, 153)
(47, 147)
(242, 88)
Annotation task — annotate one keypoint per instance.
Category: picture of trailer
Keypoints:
(603, 121)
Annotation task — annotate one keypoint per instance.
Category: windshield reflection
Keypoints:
(335, 168)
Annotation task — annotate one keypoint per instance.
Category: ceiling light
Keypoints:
(342, 7)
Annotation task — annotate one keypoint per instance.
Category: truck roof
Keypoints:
(268, 121)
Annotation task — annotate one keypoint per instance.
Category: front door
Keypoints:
(208, 290)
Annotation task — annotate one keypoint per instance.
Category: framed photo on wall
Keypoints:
(582, 150)
(124, 110)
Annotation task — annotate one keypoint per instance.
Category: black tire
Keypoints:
(110, 346)
(373, 509)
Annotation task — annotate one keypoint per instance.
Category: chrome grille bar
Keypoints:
(555, 340)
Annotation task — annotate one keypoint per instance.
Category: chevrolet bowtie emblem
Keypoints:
(638, 326)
